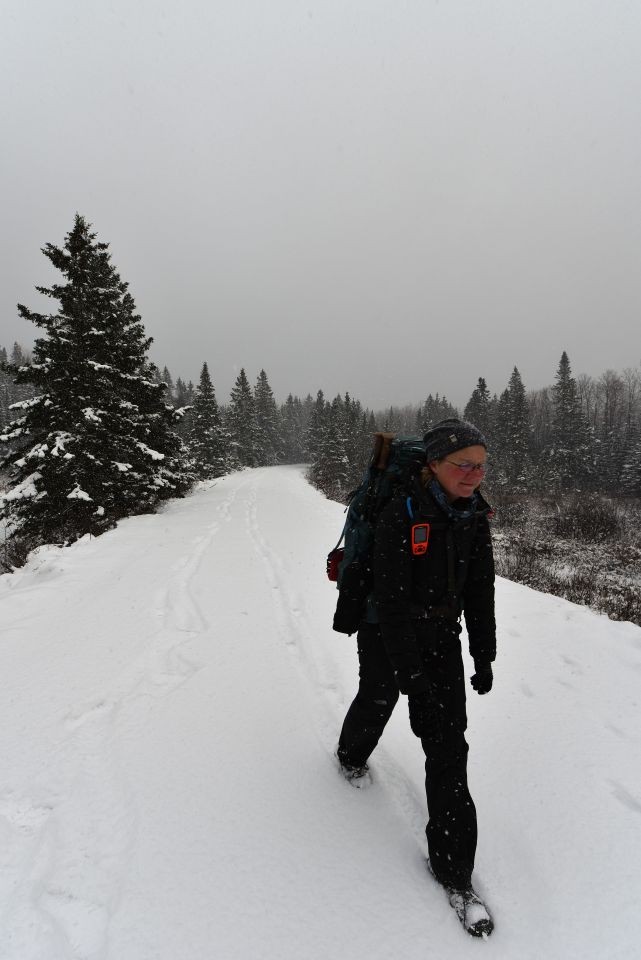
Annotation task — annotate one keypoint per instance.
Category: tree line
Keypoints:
(93, 431)
(576, 435)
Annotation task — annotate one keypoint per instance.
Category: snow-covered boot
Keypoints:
(469, 908)
(471, 911)
(356, 776)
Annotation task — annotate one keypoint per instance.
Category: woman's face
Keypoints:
(456, 482)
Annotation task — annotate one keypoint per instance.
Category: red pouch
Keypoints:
(334, 559)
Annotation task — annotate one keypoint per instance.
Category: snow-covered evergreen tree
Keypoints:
(631, 472)
(499, 431)
(241, 423)
(330, 470)
(316, 436)
(183, 400)
(352, 416)
(631, 468)
(208, 440)
(478, 409)
(306, 409)
(540, 418)
(291, 420)
(317, 426)
(611, 430)
(269, 442)
(10, 391)
(434, 409)
(570, 460)
(99, 439)
(5, 403)
(368, 429)
(180, 392)
(516, 433)
(167, 379)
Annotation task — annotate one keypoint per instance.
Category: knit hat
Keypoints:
(450, 435)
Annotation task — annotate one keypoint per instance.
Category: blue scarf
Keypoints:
(454, 513)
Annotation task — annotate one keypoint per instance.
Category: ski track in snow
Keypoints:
(166, 665)
(294, 624)
(321, 678)
(75, 847)
(71, 850)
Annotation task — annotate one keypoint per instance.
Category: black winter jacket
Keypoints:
(407, 588)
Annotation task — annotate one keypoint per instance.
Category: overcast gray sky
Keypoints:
(393, 197)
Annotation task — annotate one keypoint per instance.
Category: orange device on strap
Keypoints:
(420, 539)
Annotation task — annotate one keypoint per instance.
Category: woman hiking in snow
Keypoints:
(414, 647)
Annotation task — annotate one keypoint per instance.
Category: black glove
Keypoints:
(425, 719)
(482, 679)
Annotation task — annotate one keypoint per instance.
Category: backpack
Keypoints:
(395, 462)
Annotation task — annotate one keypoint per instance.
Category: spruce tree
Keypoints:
(269, 444)
(180, 391)
(366, 439)
(332, 468)
(306, 409)
(500, 438)
(17, 355)
(241, 423)
(516, 433)
(352, 428)
(434, 409)
(631, 473)
(570, 458)
(291, 419)
(169, 383)
(479, 408)
(99, 443)
(611, 430)
(5, 403)
(316, 436)
(184, 410)
(316, 426)
(208, 442)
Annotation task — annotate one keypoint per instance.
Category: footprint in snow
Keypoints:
(22, 813)
(616, 730)
(576, 666)
(92, 711)
(625, 797)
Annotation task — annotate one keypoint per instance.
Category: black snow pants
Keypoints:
(451, 830)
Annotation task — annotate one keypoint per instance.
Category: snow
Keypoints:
(154, 454)
(99, 366)
(31, 402)
(24, 490)
(59, 445)
(172, 695)
(78, 494)
(90, 414)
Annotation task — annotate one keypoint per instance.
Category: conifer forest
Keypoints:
(91, 431)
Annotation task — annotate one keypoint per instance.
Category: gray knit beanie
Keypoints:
(450, 435)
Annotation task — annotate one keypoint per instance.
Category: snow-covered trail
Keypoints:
(172, 697)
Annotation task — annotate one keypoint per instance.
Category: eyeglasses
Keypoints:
(467, 467)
